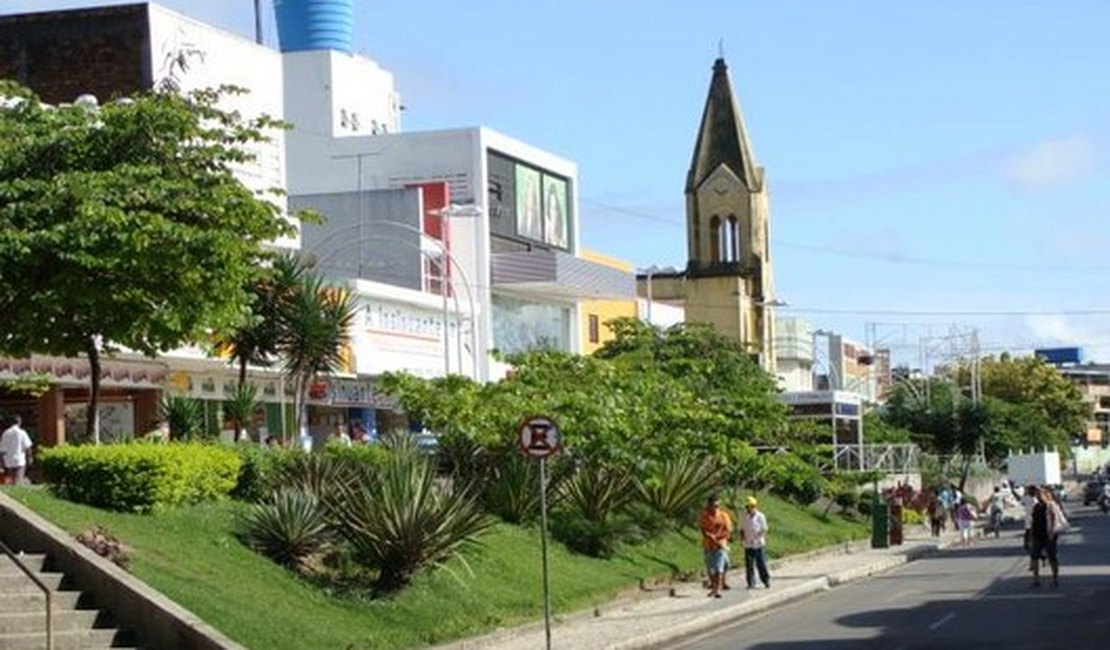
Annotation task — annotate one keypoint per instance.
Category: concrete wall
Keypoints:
(157, 621)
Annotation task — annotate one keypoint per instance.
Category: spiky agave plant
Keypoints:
(676, 486)
(289, 527)
(403, 519)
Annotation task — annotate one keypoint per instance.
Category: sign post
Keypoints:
(539, 438)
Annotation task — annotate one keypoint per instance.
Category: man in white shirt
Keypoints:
(16, 446)
(753, 531)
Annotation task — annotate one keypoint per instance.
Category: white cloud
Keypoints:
(1053, 163)
(1088, 333)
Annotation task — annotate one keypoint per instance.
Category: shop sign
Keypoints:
(318, 390)
(397, 319)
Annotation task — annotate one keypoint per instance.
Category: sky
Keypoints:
(934, 166)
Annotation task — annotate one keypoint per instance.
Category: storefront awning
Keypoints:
(558, 275)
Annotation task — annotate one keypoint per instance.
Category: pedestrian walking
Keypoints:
(16, 445)
(716, 529)
(936, 515)
(1028, 500)
(965, 521)
(1048, 523)
(753, 532)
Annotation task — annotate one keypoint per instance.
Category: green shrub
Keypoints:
(141, 477)
(316, 473)
(790, 477)
(288, 527)
(258, 468)
(367, 457)
(847, 498)
(596, 538)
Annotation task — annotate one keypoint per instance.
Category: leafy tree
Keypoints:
(124, 225)
(1042, 394)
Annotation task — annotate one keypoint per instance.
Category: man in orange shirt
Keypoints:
(716, 528)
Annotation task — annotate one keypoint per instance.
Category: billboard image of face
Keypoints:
(555, 211)
(529, 203)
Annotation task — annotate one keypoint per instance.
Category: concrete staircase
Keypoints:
(23, 612)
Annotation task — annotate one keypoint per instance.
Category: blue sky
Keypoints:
(939, 156)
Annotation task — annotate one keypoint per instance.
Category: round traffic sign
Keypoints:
(538, 437)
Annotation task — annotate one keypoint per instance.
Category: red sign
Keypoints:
(539, 437)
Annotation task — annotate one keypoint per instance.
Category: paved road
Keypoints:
(975, 598)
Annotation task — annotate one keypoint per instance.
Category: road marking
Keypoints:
(944, 619)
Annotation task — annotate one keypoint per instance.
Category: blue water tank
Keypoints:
(314, 24)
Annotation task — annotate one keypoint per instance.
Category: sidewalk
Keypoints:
(661, 617)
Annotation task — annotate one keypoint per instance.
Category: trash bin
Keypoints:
(880, 523)
(896, 524)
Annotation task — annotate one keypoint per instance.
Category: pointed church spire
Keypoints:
(722, 137)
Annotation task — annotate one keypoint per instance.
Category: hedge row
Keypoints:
(141, 477)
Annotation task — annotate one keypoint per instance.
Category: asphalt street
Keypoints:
(975, 597)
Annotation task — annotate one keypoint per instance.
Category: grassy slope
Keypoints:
(192, 556)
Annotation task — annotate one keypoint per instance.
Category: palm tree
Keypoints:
(257, 340)
(315, 327)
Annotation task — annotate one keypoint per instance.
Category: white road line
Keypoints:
(944, 619)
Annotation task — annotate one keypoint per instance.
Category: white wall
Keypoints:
(402, 330)
(223, 58)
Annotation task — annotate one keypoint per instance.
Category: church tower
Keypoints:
(729, 279)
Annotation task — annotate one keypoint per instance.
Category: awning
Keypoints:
(557, 275)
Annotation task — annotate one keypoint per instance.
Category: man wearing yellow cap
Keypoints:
(753, 531)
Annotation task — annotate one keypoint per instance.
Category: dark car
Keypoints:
(1091, 492)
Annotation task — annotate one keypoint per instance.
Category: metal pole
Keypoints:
(446, 345)
(543, 547)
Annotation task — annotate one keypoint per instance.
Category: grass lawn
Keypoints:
(192, 556)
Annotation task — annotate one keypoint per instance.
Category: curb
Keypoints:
(736, 612)
(794, 592)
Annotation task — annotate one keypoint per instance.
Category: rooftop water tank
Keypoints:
(314, 24)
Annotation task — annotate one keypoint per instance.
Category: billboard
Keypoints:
(1060, 356)
(527, 202)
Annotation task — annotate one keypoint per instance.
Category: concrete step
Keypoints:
(33, 561)
(72, 640)
(63, 621)
(24, 585)
(19, 603)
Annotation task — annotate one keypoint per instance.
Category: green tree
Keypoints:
(124, 225)
(1042, 394)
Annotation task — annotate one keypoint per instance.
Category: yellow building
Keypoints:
(593, 314)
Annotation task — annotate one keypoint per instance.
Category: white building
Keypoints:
(794, 354)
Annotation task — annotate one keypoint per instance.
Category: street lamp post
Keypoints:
(649, 273)
(467, 210)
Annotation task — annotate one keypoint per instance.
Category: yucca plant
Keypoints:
(403, 519)
(591, 514)
(596, 492)
(321, 475)
(185, 416)
(289, 527)
(677, 486)
(241, 407)
(512, 492)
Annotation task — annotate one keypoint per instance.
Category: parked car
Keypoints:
(1091, 492)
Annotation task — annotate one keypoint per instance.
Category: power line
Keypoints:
(889, 258)
(911, 312)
